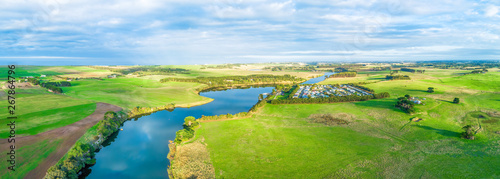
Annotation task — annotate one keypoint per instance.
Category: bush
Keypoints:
(430, 90)
(405, 104)
(468, 133)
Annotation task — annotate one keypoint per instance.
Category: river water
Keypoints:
(140, 150)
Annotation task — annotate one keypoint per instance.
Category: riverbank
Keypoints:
(68, 135)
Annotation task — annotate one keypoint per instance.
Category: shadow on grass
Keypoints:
(381, 79)
(445, 101)
(380, 103)
(442, 132)
(459, 74)
(414, 90)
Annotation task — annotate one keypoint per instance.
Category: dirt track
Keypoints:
(69, 135)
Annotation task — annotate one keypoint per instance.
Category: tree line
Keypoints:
(144, 70)
(53, 86)
(381, 68)
(82, 153)
(283, 68)
(397, 77)
(332, 99)
(412, 70)
(479, 71)
(230, 66)
(237, 80)
(343, 74)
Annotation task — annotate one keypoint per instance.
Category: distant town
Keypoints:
(323, 91)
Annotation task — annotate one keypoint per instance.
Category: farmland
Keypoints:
(373, 138)
(132, 92)
(379, 139)
(40, 111)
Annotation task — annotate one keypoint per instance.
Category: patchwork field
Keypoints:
(61, 71)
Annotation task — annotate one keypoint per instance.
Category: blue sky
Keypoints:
(129, 32)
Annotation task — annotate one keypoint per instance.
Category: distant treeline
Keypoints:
(479, 71)
(332, 65)
(230, 66)
(343, 74)
(381, 68)
(144, 70)
(237, 80)
(341, 69)
(290, 68)
(412, 70)
(451, 64)
(53, 86)
(82, 153)
(332, 99)
(397, 77)
(152, 71)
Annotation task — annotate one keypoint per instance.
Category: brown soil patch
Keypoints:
(18, 85)
(331, 119)
(69, 135)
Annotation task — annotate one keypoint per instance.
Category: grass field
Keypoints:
(132, 92)
(27, 158)
(62, 71)
(39, 111)
(380, 142)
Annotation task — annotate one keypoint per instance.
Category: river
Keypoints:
(140, 150)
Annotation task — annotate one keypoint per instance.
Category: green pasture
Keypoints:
(380, 142)
(132, 92)
(27, 158)
(38, 112)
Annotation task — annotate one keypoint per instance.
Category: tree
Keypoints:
(456, 100)
(407, 96)
(261, 97)
(468, 133)
(430, 89)
(110, 115)
(190, 123)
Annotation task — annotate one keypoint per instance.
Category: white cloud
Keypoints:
(232, 12)
(194, 30)
(491, 11)
(110, 22)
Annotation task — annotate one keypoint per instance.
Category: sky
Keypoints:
(143, 32)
